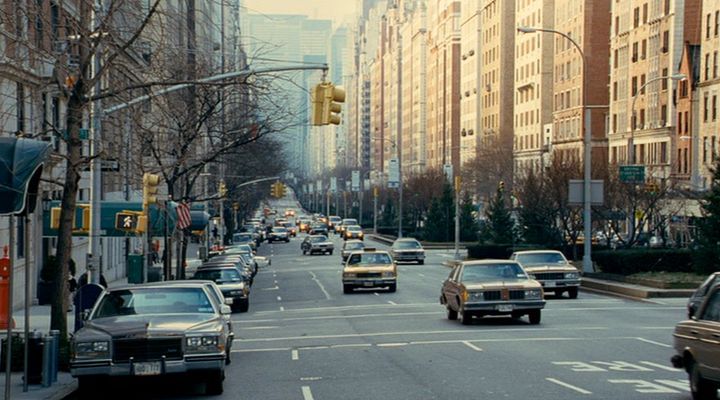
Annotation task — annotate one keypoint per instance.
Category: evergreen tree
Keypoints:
(500, 228)
(447, 202)
(388, 215)
(707, 256)
(468, 225)
(436, 221)
(535, 213)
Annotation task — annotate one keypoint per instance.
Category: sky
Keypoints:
(336, 10)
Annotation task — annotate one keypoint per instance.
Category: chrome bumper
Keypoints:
(108, 368)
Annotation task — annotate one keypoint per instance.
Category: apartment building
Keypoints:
(471, 76)
(443, 84)
(646, 44)
(413, 35)
(587, 22)
(709, 92)
(533, 84)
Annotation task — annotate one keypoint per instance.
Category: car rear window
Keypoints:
(369, 258)
(407, 244)
(154, 300)
(541, 258)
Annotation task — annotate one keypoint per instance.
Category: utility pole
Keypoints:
(457, 217)
(375, 201)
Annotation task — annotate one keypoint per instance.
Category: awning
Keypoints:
(21, 162)
(198, 220)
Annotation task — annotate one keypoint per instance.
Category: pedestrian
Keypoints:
(72, 287)
(84, 280)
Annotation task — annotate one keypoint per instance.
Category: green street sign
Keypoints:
(632, 173)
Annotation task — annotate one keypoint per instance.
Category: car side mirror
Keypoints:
(229, 301)
(85, 314)
(225, 309)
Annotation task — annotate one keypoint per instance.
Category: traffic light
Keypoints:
(326, 99)
(127, 220)
(334, 95)
(85, 218)
(150, 189)
(222, 189)
(281, 190)
(81, 218)
(273, 190)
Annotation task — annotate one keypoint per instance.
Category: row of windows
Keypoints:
(714, 65)
(715, 28)
(710, 107)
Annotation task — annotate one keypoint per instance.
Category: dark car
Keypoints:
(317, 244)
(699, 295)
(152, 329)
(245, 238)
(491, 287)
(408, 249)
(279, 234)
(318, 229)
(231, 284)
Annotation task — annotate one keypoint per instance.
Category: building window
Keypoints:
(615, 59)
(666, 41)
(715, 64)
(636, 17)
(635, 52)
(642, 83)
(687, 123)
(714, 109)
(645, 13)
(615, 89)
(663, 153)
(643, 51)
(633, 86)
(642, 118)
(20, 107)
(706, 102)
(39, 26)
(707, 26)
(663, 114)
(667, 7)
(717, 22)
(680, 121)
(617, 26)
(664, 83)
(705, 149)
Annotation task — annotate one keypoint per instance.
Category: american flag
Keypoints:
(183, 214)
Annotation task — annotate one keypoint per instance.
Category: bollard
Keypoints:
(54, 366)
(47, 350)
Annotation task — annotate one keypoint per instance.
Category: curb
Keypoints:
(638, 291)
(64, 391)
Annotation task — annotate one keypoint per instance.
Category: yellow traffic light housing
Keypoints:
(273, 190)
(334, 95)
(55, 218)
(86, 216)
(281, 190)
(150, 189)
(317, 97)
(222, 189)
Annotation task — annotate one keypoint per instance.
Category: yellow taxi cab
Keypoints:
(369, 268)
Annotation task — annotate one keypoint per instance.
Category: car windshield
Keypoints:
(407, 244)
(316, 239)
(354, 246)
(219, 275)
(541, 258)
(479, 273)
(349, 221)
(242, 237)
(369, 258)
(280, 229)
(154, 300)
(354, 228)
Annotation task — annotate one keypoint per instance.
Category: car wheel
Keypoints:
(452, 315)
(330, 252)
(573, 293)
(534, 317)
(465, 317)
(214, 383)
(392, 288)
(701, 388)
(304, 252)
(245, 305)
(421, 262)
(347, 289)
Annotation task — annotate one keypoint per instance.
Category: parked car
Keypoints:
(242, 265)
(245, 238)
(551, 269)
(408, 249)
(279, 234)
(697, 347)
(152, 329)
(353, 232)
(317, 244)
(491, 287)
(351, 246)
(369, 268)
(231, 284)
(701, 292)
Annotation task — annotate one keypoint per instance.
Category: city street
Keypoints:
(304, 339)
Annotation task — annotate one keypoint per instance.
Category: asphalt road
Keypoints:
(304, 339)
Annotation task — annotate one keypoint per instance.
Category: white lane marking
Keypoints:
(339, 346)
(392, 344)
(279, 298)
(677, 384)
(654, 342)
(422, 275)
(313, 348)
(311, 378)
(294, 355)
(655, 328)
(660, 366)
(260, 350)
(376, 294)
(271, 288)
(406, 333)
(392, 302)
(344, 308)
(282, 308)
(275, 282)
(472, 346)
(252, 328)
(307, 394)
(327, 295)
(569, 386)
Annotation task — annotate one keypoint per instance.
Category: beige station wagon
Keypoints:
(551, 269)
(697, 344)
(491, 287)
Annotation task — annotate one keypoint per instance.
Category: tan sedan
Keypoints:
(697, 344)
(491, 287)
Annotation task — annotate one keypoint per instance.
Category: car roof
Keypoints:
(207, 267)
(407, 240)
(159, 285)
(354, 241)
(536, 252)
(488, 262)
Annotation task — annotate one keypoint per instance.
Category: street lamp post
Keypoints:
(631, 139)
(587, 145)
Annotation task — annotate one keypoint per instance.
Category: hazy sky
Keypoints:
(335, 10)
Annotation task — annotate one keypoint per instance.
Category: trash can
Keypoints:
(35, 358)
(135, 268)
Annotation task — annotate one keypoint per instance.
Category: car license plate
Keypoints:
(550, 284)
(147, 368)
(504, 307)
(368, 283)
